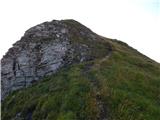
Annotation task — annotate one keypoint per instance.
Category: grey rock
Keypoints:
(42, 51)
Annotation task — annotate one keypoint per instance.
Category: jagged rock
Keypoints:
(44, 49)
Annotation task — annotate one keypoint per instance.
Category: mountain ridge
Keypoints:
(32, 56)
(62, 70)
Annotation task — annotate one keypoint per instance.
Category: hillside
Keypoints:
(80, 76)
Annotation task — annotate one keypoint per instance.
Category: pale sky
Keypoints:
(136, 22)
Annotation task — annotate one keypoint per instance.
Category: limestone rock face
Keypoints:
(43, 50)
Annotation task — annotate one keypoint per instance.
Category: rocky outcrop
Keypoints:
(44, 49)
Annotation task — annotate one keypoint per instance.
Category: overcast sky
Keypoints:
(136, 22)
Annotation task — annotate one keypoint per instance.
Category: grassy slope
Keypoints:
(128, 83)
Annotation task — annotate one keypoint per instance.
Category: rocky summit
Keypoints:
(46, 48)
(61, 70)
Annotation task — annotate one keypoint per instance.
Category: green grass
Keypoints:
(66, 95)
(133, 90)
(128, 83)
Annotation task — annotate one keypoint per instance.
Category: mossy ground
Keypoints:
(129, 85)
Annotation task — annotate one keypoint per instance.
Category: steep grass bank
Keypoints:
(127, 84)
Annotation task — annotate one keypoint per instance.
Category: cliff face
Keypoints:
(46, 48)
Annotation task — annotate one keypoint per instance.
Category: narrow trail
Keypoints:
(101, 105)
(97, 65)
(96, 89)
